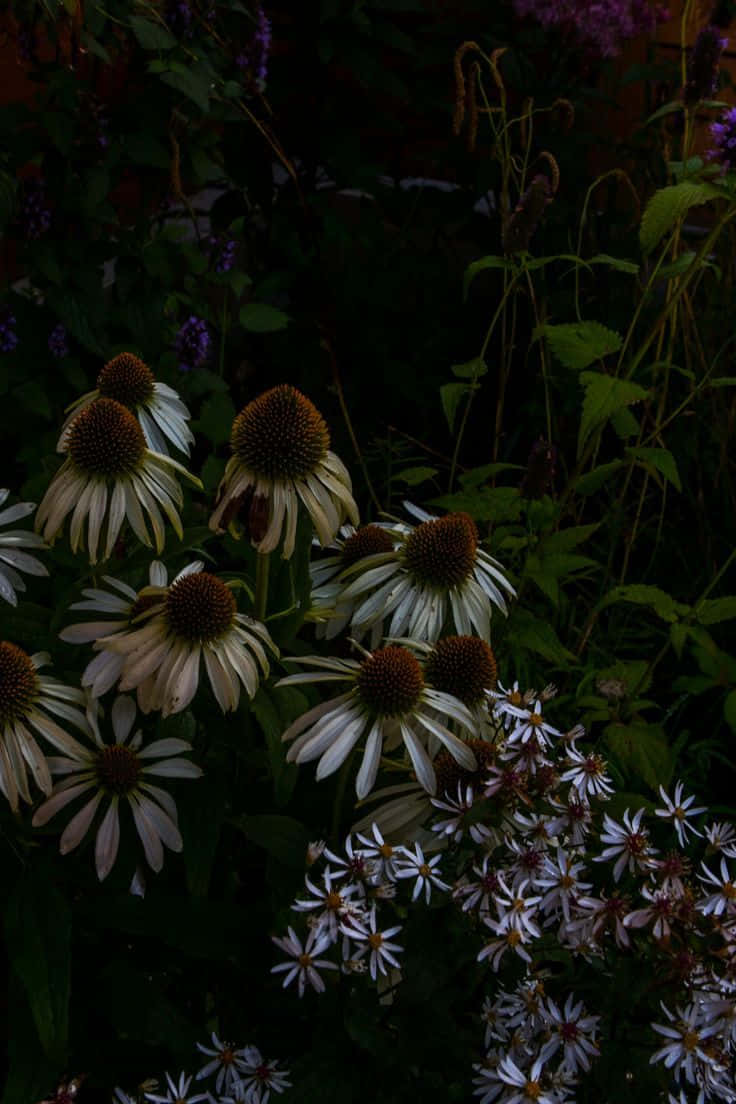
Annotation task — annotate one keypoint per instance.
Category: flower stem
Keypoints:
(261, 596)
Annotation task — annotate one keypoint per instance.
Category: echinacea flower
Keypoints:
(122, 608)
(350, 546)
(29, 702)
(109, 475)
(437, 574)
(195, 618)
(387, 701)
(12, 557)
(162, 414)
(281, 458)
(115, 772)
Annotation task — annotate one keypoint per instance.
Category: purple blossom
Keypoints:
(702, 66)
(255, 56)
(723, 149)
(58, 344)
(8, 336)
(178, 15)
(193, 343)
(222, 253)
(34, 216)
(601, 25)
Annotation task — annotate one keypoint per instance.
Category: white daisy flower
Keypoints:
(724, 897)
(505, 701)
(426, 873)
(600, 914)
(281, 458)
(194, 619)
(114, 772)
(722, 837)
(678, 811)
(177, 1092)
(437, 574)
(226, 1064)
(261, 1079)
(480, 892)
(30, 704)
(12, 557)
(528, 724)
(388, 701)
(509, 939)
(559, 877)
(379, 853)
(515, 910)
(304, 962)
(587, 773)
(162, 415)
(629, 844)
(574, 1031)
(123, 608)
(460, 820)
(377, 944)
(685, 1036)
(660, 910)
(525, 1086)
(328, 906)
(109, 475)
(355, 864)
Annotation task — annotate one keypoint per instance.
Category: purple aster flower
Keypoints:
(723, 149)
(193, 343)
(58, 344)
(702, 66)
(8, 336)
(34, 216)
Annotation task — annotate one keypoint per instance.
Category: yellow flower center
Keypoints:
(375, 940)
(106, 440)
(200, 607)
(441, 553)
(280, 435)
(18, 683)
(126, 379)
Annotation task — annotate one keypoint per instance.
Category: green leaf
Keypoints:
(677, 267)
(578, 344)
(274, 711)
(566, 539)
(481, 265)
(152, 36)
(216, 418)
(678, 637)
(668, 205)
(262, 318)
(723, 381)
(94, 47)
(528, 632)
(712, 610)
(38, 934)
(239, 281)
(593, 480)
(661, 459)
(666, 109)
(663, 604)
(604, 395)
(484, 503)
(414, 476)
(630, 267)
(643, 750)
(200, 819)
(452, 395)
(472, 370)
(193, 85)
(624, 424)
(281, 836)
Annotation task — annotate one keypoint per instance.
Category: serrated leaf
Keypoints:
(152, 36)
(624, 423)
(578, 344)
(484, 503)
(451, 395)
(604, 395)
(593, 480)
(713, 610)
(643, 750)
(531, 633)
(668, 205)
(193, 85)
(262, 318)
(216, 418)
(663, 604)
(661, 459)
(566, 539)
(414, 476)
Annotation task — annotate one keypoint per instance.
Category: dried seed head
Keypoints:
(200, 607)
(390, 681)
(105, 440)
(463, 666)
(368, 541)
(280, 435)
(18, 683)
(442, 553)
(127, 379)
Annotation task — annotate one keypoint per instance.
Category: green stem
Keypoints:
(261, 596)
(342, 781)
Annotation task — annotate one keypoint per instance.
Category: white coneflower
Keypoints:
(352, 545)
(281, 457)
(12, 557)
(114, 772)
(109, 475)
(158, 408)
(123, 608)
(438, 574)
(195, 618)
(29, 702)
(388, 701)
(463, 666)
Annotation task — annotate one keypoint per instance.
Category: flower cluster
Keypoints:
(602, 27)
(58, 343)
(8, 335)
(723, 150)
(193, 343)
(34, 215)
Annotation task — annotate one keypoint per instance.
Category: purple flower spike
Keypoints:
(58, 344)
(8, 336)
(193, 344)
(723, 149)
